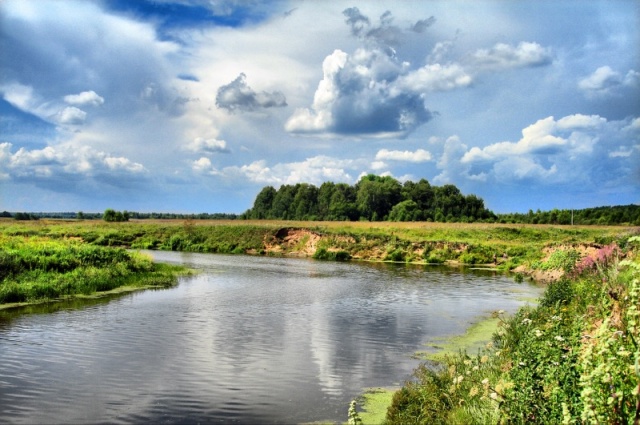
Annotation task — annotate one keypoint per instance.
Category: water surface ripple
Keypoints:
(248, 340)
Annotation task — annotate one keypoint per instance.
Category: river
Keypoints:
(247, 340)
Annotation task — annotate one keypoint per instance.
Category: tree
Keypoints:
(111, 215)
(343, 203)
(404, 211)
(282, 202)
(305, 202)
(376, 196)
(263, 203)
(324, 200)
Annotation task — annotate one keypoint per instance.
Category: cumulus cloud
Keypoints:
(202, 146)
(71, 115)
(238, 96)
(502, 56)
(434, 77)
(53, 166)
(604, 82)
(315, 170)
(574, 148)
(420, 155)
(84, 98)
(371, 93)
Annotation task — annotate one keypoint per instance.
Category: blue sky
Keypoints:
(195, 105)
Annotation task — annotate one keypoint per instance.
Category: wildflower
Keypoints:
(498, 353)
(484, 359)
(559, 338)
(485, 382)
(556, 318)
(494, 396)
(473, 391)
(467, 362)
(500, 311)
(476, 368)
(526, 321)
(458, 379)
(538, 332)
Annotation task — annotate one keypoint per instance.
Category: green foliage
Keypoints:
(396, 255)
(111, 215)
(373, 198)
(33, 269)
(572, 359)
(609, 215)
(560, 259)
(324, 254)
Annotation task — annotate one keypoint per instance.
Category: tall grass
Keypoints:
(574, 358)
(36, 268)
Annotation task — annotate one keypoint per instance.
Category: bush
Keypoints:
(324, 254)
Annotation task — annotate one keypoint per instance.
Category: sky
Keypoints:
(194, 106)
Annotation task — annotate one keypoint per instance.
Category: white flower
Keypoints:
(538, 332)
(526, 321)
(559, 338)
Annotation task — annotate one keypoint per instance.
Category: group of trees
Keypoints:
(111, 215)
(373, 198)
(619, 214)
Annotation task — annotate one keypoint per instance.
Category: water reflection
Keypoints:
(251, 339)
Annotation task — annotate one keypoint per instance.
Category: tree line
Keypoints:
(372, 198)
(618, 214)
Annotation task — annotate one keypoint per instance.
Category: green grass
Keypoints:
(574, 358)
(374, 403)
(35, 269)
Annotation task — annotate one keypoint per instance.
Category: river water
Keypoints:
(248, 340)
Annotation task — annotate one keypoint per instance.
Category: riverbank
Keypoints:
(525, 250)
(572, 359)
(35, 269)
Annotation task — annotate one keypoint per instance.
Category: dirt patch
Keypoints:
(292, 242)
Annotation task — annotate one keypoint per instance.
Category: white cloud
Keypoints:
(419, 155)
(84, 98)
(569, 149)
(201, 145)
(72, 115)
(435, 77)
(579, 121)
(60, 163)
(315, 170)
(362, 94)
(502, 55)
(604, 82)
(203, 165)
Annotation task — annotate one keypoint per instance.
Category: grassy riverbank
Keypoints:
(574, 358)
(503, 246)
(35, 269)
